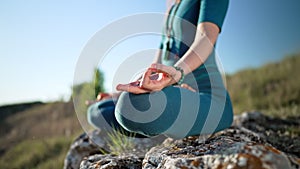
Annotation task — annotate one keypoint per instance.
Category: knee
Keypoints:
(101, 117)
(140, 108)
(129, 110)
(92, 114)
(142, 113)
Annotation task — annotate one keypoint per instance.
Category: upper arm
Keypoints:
(211, 17)
(213, 11)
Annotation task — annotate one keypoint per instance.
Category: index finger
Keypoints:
(131, 88)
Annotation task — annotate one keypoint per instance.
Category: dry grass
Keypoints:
(41, 133)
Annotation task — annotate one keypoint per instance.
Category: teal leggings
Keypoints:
(175, 112)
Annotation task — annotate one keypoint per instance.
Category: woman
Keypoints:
(182, 93)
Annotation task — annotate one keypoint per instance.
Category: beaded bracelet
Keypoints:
(180, 81)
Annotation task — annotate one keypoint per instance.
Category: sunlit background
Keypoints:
(40, 41)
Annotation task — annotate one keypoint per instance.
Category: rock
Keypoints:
(284, 134)
(250, 143)
(125, 161)
(97, 142)
(231, 148)
(82, 147)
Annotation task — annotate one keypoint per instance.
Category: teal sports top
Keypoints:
(179, 33)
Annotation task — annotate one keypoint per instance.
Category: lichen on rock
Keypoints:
(231, 148)
(124, 161)
(246, 144)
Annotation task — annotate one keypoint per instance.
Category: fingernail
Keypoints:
(152, 69)
(137, 83)
(118, 87)
(153, 65)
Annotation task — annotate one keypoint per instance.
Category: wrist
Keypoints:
(179, 76)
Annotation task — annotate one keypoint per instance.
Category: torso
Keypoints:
(183, 18)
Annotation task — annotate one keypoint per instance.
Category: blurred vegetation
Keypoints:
(98, 82)
(40, 153)
(273, 88)
(80, 94)
(38, 135)
(84, 92)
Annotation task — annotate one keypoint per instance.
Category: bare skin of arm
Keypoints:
(206, 36)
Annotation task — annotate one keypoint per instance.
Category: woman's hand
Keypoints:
(133, 87)
(156, 78)
(102, 96)
(150, 81)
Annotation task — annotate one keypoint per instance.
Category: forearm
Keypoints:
(200, 49)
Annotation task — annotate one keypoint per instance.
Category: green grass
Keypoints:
(274, 86)
(119, 143)
(38, 137)
(36, 154)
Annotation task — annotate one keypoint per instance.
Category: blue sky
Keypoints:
(40, 41)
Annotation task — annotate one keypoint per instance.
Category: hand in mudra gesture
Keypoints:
(155, 78)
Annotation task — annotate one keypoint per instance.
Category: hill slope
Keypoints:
(272, 86)
(36, 135)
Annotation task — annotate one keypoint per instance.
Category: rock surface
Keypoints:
(284, 134)
(232, 148)
(82, 147)
(254, 141)
(125, 161)
(96, 143)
